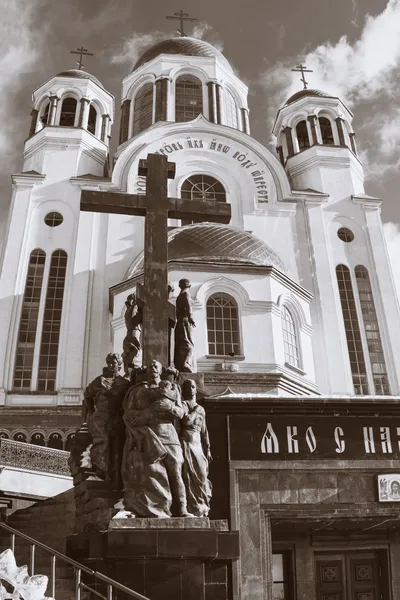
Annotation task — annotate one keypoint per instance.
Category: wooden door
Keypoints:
(349, 576)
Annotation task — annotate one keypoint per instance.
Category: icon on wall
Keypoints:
(389, 487)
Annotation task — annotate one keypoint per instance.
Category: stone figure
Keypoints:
(131, 345)
(184, 346)
(152, 461)
(196, 452)
(102, 410)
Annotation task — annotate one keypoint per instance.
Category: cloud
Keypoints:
(392, 235)
(362, 74)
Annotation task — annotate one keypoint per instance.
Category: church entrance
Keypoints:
(350, 576)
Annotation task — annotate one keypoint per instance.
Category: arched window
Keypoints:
(4, 435)
(68, 112)
(29, 320)
(231, 118)
(372, 333)
(69, 441)
(188, 98)
(52, 322)
(37, 439)
(352, 329)
(222, 325)
(55, 441)
(45, 114)
(290, 341)
(91, 127)
(202, 187)
(143, 108)
(302, 135)
(19, 436)
(326, 131)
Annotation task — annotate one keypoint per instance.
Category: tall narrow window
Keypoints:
(29, 320)
(290, 343)
(352, 329)
(302, 135)
(222, 325)
(282, 576)
(92, 119)
(372, 333)
(202, 187)
(230, 110)
(143, 108)
(45, 114)
(188, 98)
(326, 131)
(52, 322)
(68, 112)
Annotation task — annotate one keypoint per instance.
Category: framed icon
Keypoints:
(389, 487)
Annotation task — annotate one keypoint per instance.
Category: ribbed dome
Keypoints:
(79, 74)
(181, 45)
(215, 243)
(303, 93)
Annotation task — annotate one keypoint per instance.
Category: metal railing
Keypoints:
(112, 587)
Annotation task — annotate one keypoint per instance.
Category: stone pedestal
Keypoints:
(163, 558)
(94, 504)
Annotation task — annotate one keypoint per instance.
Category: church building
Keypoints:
(297, 319)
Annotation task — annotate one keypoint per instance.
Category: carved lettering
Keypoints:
(310, 439)
(293, 443)
(269, 441)
(385, 440)
(369, 442)
(340, 443)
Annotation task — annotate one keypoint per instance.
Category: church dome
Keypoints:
(181, 45)
(215, 243)
(79, 74)
(304, 93)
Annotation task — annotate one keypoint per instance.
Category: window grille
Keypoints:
(188, 98)
(28, 323)
(290, 342)
(222, 325)
(202, 187)
(143, 108)
(52, 322)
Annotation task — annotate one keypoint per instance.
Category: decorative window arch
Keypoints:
(44, 115)
(37, 438)
(52, 322)
(352, 330)
(55, 441)
(326, 131)
(92, 120)
(68, 112)
(231, 117)
(69, 441)
(143, 108)
(29, 320)
(290, 338)
(223, 325)
(4, 435)
(302, 135)
(372, 333)
(202, 187)
(20, 436)
(188, 98)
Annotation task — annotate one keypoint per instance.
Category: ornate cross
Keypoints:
(181, 16)
(157, 208)
(82, 52)
(302, 69)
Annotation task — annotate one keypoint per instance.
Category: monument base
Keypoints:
(160, 561)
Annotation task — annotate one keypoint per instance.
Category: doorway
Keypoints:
(351, 576)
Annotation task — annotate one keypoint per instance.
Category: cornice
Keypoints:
(40, 142)
(368, 203)
(346, 161)
(27, 180)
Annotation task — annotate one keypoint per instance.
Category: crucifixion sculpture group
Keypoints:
(150, 438)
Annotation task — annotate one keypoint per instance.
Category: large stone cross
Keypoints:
(156, 207)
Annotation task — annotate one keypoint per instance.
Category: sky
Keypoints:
(353, 47)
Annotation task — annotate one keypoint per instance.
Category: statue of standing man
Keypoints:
(184, 359)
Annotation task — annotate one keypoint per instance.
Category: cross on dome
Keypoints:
(181, 16)
(302, 69)
(82, 52)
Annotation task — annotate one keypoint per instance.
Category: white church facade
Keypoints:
(294, 301)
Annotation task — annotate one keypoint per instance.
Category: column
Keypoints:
(218, 89)
(279, 150)
(84, 113)
(161, 99)
(34, 115)
(53, 110)
(312, 120)
(105, 119)
(352, 137)
(124, 127)
(339, 125)
(245, 120)
(212, 102)
(289, 140)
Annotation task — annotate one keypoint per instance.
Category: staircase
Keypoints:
(49, 522)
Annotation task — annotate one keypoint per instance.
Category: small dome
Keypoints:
(303, 93)
(217, 244)
(79, 74)
(181, 45)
